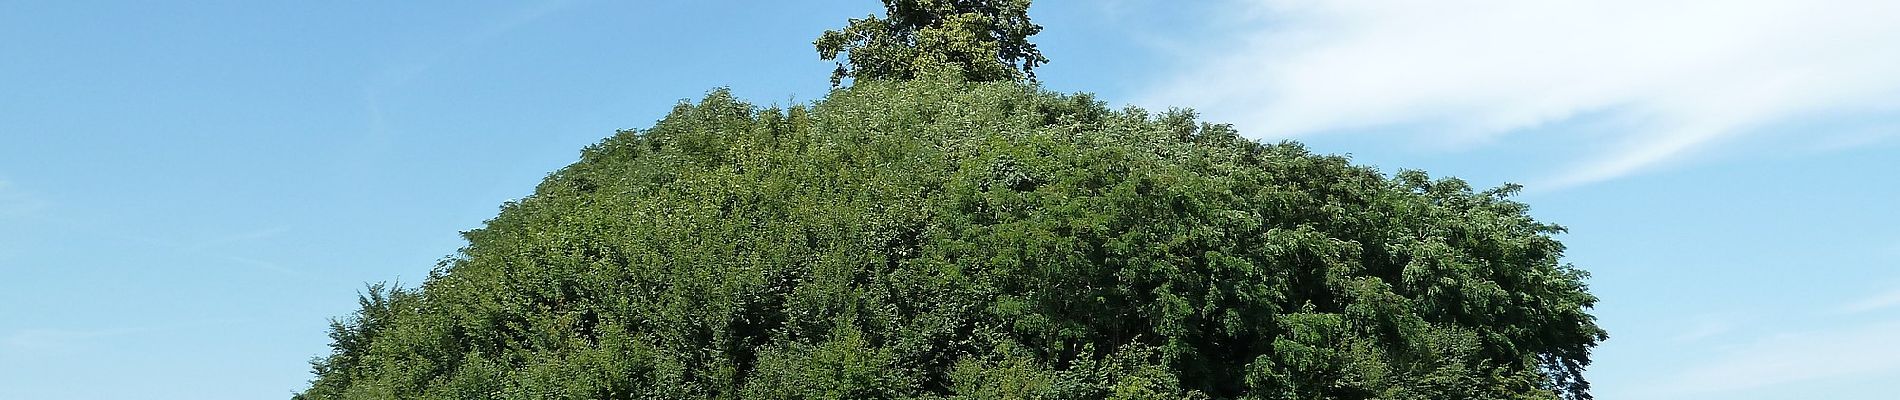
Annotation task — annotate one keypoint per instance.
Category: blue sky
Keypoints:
(189, 191)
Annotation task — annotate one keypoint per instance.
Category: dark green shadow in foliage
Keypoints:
(948, 237)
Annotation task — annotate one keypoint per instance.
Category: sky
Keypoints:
(189, 192)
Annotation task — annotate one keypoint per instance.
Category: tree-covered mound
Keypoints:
(989, 240)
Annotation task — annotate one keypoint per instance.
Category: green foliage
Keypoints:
(974, 40)
(937, 239)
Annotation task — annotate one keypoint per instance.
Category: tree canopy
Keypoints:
(978, 40)
(940, 239)
(974, 236)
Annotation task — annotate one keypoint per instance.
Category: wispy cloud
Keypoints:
(1875, 302)
(1793, 358)
(1830, 346)
(507, 22)
(221, 247)
(15, 201)
(1678, 75)
(235, 238)
(267, 265)
(45, 340)
(1709, 325)
(226, 248)
(382, 92)
(401, 73)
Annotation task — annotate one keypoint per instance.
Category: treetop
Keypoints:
(975, 40)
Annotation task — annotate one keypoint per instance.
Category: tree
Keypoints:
(977, 40)
(979, 239)
(940, 239)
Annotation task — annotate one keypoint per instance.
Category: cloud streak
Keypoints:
(1709, 325)
(1792, 358)
(1876, 302)
(1679, 75)
(16, 202)
(1850, 347)
(45, 340)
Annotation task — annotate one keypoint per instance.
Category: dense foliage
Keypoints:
(947, 239)
(976, 40)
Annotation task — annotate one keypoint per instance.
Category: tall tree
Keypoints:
(930, 239)
(978, 238)
(981, 40)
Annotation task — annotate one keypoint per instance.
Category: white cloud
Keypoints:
(14, 201)
(1843, 349)
(1793, 358)
(400, 74)
(1880, 301)
(1680, 75)
(50, 340)
(246, 237)
(1706, 326)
